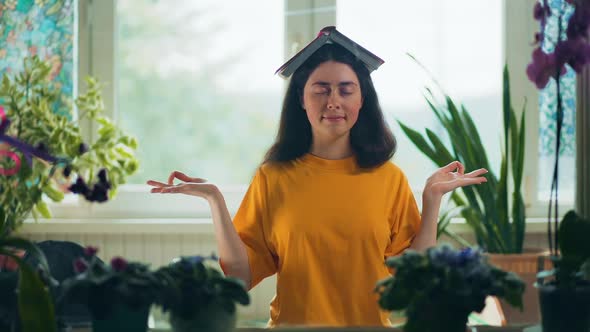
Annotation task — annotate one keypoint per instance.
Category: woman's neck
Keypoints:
(333, 149)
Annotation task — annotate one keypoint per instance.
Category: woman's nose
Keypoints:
(333, 101)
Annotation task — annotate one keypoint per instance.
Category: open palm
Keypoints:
(451, 177)
(190, 186)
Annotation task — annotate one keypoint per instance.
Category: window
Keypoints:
(194, 81)
(195, 84)
(547, 127)
(467, 62)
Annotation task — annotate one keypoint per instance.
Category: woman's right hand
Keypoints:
(190, 186)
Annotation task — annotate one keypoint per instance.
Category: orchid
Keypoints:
(571, 48)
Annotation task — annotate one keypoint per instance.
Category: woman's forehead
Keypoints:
(333, 72)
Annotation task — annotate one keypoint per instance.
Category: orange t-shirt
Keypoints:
(325, 227)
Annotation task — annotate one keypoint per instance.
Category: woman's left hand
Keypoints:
(449, 178)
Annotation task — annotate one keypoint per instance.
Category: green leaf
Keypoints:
(28, 246)
(418, 140)
(34, 303)
(42, 208)
(444, 157)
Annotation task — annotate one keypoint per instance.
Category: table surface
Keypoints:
(359, 329)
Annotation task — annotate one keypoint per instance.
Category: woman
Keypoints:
(326, 207)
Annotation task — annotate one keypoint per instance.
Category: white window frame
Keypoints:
(96, 47)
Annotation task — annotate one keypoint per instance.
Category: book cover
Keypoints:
(325, 36)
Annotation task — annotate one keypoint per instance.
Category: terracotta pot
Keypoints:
(525, 265)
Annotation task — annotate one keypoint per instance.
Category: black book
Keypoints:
(326, 36)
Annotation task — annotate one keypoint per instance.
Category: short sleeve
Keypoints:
(252, 223)
(405, 219)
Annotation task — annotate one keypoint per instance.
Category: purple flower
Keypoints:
(67, 171)
(579, 23)
(542, 68)
(80, 265)
(540, 12)
(118, 264)
(538, 37)
(102, 176)
(468, 255)
(41, 147)
(79, 187)
(83, 148)
(90, 251)
(575, 52)
(99, 193)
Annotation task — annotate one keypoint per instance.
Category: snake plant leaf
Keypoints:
(444, 156)
(418, 140)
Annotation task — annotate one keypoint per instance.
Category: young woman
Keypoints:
(327, 205)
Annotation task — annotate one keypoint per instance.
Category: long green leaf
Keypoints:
(28, 246)
(34, 302)
(502, 204)
(445, 157)
(474, 136)
(457, 238)
(445, 219)
(418, 140)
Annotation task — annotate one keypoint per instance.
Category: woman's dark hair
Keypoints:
(372, 141)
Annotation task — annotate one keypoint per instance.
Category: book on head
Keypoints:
(326, 36)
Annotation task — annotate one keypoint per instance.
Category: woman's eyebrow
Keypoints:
(345, 83)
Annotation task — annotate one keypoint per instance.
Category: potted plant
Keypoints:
(438, 289)
(495, 212)
(198, 296)
(42, 150)
(564, 291)
(34, 303)
(118, 295)
(43, 154)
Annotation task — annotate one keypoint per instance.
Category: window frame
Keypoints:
(96, 45)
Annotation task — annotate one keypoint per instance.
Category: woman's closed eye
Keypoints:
(342, 92)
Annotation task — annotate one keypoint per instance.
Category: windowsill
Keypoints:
(179, 226)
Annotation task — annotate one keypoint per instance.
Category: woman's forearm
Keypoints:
(231, 249)
(426, 236)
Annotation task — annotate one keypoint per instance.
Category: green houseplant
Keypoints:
(494, 212)
(198, 296)
(564, 291)
(118, 295)
(438, 289)
(35, 306)
(43, 154)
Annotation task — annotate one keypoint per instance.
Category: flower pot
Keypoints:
(565, 309)
(436, 315)
(212, 318)
(123, 318)
(525, 266)
(8, 300)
